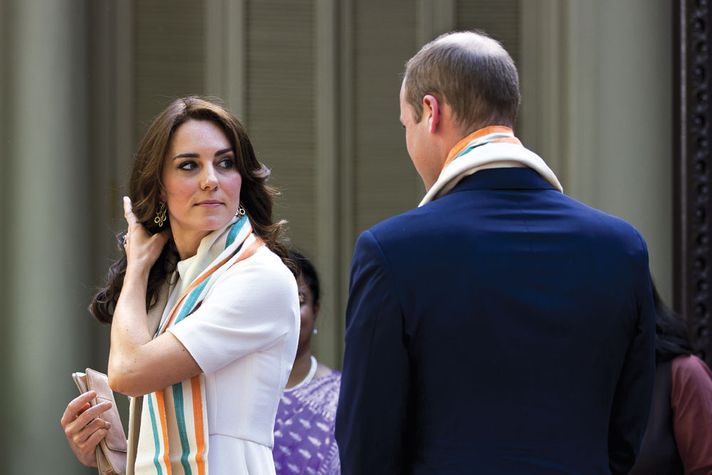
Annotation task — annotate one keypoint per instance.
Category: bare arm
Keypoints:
(138, 363)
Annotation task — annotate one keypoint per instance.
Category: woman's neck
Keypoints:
(300, 369)
(187, 243)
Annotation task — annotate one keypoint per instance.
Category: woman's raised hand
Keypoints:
(142, 248)
(84, 428)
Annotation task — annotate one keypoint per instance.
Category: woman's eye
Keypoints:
(227, 163)
(187, 165)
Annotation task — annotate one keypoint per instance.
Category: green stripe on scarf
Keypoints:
(156, 440)
(182, 432)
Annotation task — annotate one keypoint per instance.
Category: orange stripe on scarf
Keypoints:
(198, 420)
(492, 129)
(160, 402)
(250, 250)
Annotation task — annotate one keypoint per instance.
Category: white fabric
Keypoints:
(489, 155)
(246, 457)
(244, 338)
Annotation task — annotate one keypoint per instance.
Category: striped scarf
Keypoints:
(503, 150)
(173, 436)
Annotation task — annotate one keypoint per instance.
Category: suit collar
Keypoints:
(503, 179)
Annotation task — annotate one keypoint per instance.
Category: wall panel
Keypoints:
(384, 178)
(499, 19)
(280, 111)
(169, 55)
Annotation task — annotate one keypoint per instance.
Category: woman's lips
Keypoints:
(209, 203)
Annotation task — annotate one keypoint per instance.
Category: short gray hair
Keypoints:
(472, 73)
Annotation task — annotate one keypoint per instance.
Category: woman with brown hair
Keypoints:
(204, 313)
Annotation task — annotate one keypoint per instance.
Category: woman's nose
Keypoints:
(209, 179)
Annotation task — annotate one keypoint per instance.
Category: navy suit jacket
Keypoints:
(504, 328)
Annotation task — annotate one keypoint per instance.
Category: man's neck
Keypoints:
(477, 134)
(459, 141)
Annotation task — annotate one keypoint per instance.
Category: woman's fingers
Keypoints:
(134, 228)
(142, 248)
(94, 439)
(73, 429)
(128, 212)
(81, 437)
(77, 405)
(83, 427)
(92, 413)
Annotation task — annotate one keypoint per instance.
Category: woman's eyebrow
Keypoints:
(196, 155)
(223, 151)
(186, 155)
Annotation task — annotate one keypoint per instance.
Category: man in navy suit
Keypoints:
(501, 327)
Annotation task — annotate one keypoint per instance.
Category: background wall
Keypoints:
(316, 82)
(619, 118)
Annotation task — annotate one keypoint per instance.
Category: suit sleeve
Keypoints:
(631, 403)
(373, 403)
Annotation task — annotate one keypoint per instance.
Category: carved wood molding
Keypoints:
(692, 32)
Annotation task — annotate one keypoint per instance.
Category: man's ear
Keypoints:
(431, 109)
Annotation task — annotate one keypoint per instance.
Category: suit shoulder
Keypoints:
(404, 226)
(608, 226)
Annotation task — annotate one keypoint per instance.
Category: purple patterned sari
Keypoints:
(304, 429)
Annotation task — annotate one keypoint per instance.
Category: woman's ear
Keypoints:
(431, 108)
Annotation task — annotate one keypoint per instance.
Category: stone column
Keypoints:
(45, 161)
(4, 251)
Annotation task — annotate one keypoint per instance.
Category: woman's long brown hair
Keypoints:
(145, 188)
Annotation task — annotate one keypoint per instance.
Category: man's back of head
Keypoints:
(472, 73)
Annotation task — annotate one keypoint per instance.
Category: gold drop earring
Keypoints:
(160, 215)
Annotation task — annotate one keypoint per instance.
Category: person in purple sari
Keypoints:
(304, 428)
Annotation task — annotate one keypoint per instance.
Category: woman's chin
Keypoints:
(215, 223)
(205, 226)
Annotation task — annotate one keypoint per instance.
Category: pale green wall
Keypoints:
(620, 118)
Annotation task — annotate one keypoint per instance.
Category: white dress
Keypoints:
(244, 337)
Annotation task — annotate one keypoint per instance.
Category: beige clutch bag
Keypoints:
(111, 451)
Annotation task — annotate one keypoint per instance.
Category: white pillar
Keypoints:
(47, 201)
